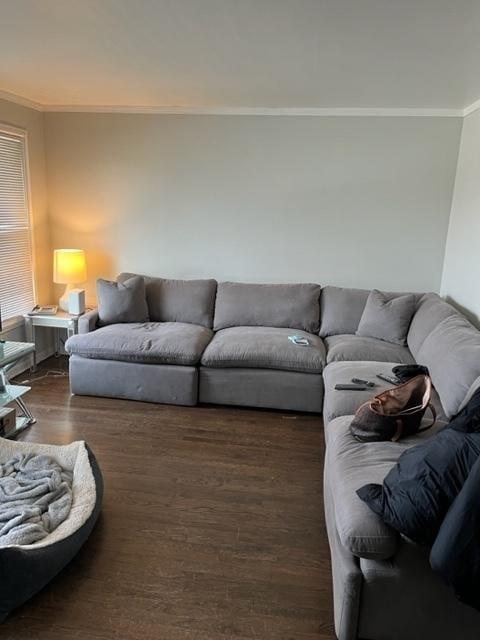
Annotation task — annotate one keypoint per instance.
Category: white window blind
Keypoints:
(16, 270)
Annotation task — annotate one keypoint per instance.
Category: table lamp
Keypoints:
(69, 268)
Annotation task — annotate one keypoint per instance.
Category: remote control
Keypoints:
(367, 383)
(390, 379)
(350, 387)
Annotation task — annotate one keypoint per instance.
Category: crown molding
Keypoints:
(475, 106)
(263, 111)
(24, 102)
(392, 112)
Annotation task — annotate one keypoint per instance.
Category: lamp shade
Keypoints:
(69, 266)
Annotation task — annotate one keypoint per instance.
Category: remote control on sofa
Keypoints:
(351, 387)
(366, 383)
(390, 379)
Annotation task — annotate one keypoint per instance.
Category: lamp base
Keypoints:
(63, 302)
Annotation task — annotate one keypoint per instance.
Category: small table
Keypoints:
(61, 320)
(10, 354)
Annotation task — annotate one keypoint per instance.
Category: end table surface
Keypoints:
(60, 320)
(12, 351)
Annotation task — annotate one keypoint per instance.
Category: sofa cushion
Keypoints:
(452, 354)
(473, 388)
(352, 348)
(349, 465)
(342, 403)
(341, 309)
(266, 348)
(189, 301)
(387, 319)
(294, 306)
(121, 301)
(149, 342)
(431, 310)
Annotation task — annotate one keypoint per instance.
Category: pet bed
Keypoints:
(25, 569)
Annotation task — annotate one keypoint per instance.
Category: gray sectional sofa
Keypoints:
(227, 343)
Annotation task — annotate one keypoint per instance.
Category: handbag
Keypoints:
(395, 413)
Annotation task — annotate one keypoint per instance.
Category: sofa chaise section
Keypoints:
(384, 587)
(251, 361)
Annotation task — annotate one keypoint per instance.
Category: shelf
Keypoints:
(10, 352)
(14, 391)
(21, 423)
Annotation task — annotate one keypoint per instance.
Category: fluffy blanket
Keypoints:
(35, 497)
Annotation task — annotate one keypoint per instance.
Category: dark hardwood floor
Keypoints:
(212, 525)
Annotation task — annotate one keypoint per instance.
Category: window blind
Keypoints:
(16, 270)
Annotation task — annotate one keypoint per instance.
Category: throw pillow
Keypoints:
(387, 320)
(417, 493)
(122, 301)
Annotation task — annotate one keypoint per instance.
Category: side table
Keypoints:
(61, 320)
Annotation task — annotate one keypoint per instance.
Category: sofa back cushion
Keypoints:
(190, 301)
(451, 351)
(294, 306)
(341, 310)
(430, 312)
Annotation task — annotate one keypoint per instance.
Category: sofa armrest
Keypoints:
(88, 321)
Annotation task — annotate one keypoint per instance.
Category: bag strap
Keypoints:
(399, 432)
(434, 416)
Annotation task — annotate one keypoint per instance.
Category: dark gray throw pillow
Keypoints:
(122, 301)
(387, 320)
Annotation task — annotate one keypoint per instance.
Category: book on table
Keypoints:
(45, 310)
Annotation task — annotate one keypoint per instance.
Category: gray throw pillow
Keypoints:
(122, 301)
(387, 320)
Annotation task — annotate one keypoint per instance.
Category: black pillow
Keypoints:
(417, 493)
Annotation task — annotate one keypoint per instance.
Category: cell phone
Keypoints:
(351, 387)
(300, 341)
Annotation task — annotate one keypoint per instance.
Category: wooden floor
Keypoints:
(212, 525)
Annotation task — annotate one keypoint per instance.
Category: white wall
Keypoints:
(355, 201)
(461, 276)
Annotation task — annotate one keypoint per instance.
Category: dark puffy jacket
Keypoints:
(455, 554)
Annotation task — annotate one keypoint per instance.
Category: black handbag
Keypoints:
(394, 413)
(405, 372)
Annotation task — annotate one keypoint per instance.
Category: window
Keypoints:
(16, 270)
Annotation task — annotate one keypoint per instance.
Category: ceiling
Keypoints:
(242, 53)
